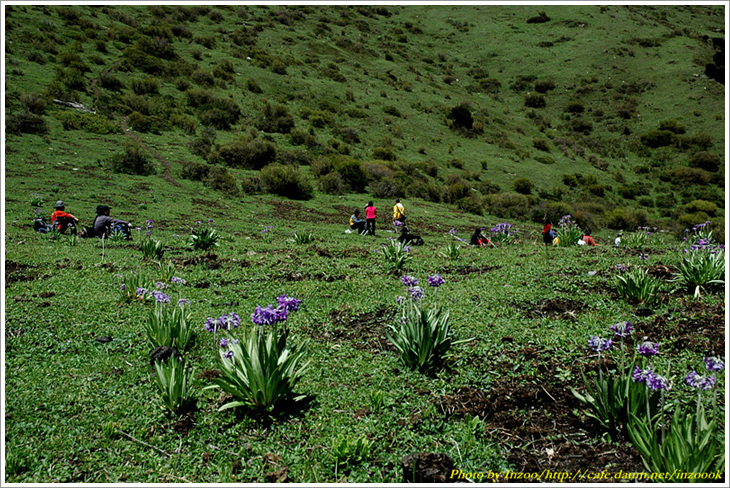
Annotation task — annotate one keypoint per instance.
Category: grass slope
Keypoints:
(531, 310)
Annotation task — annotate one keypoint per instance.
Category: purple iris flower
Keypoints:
(228, 355)
(622, 329)
(598, 344)
(183, 301)
(697, 381)
(399, 299)
(178, 281)
(290, 304)
(714, 364)
(648, 349)
(641, 375)
(409, 280)
(416, 293)
(123, 286)
(161, 285)
(224, 342)
(142, 291)
(268, 315)
(211, 324)
(435, 281)
(658, 382)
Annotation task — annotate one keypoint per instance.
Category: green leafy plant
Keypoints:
(699, 269)
(174, 382)
(302, 238)
(168, 326)
(73, 240)
(129, 284)
(377, 400)
(452, 251)
(260, 370)
(116, 236)
(152, 249)
(349, 451)
(568, 232)
(395, 255)
(635, 240)
(204, 238)
(637, 286)
(36, 200)
(422, 338)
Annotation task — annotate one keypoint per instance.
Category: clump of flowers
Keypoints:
(503, 233)
(568, 232)
(452, 233)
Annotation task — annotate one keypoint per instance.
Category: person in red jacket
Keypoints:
(371, 214)
(61, 221)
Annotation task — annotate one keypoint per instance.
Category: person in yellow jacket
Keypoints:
(356, 223)
(399, 215)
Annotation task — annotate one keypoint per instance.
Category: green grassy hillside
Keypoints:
(449, 104)
(269, 125)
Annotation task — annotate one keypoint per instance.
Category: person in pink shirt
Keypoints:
(371, 214)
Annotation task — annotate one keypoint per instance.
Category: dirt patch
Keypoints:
(184, 424)
(328, 278)
(565, 309)
(695, 325)
(15, 272)
(661, 271)
(210, 260)
(532, 416)
(319, 251)
(467, 270)
(209, 374)
(355, 252)
(366, 330)
(296, 212)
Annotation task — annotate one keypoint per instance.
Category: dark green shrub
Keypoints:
(384, 153)
(460, 117)
(534, 100)
(473, 204)
(386, 188)
(34, 103)
(552, 211)
(697, 142)
(246, 153)
(391, 110)
(275, 118)
(294, 158)
(706, 160)
(683, 176)
(538, 19)
(523, 185)
(620, 218)
(145, 86)
(207, 42)
(581, 125)
(456, 191)
(488, 188)
(219, 179)
(352, 172)
(490, 85)
(133, 161)
(252, 185)
(194, 171)
(184, 123)
(510, 205)
(541, 145)
(94, 123)
(429, 191)
(25, 123)
(599, 190)
(350, 135)
(575, 108)
(429, 167)
(687, 221)
(672, 126)
(666, 200)
(145, 123)
(110, 82)
(203, 78)
(658, 138)
(544, 85)
(286, 181)
(332, 184)
(544, 160)
(570, 180)
(701, 206)
(252, 86)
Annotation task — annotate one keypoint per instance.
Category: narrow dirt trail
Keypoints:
(167, 167)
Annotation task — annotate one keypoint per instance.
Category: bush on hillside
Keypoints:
(220, 179)
(534, 100)
(252, 185)
(523, 186)
(133, 161)
(246, 153)
(94, 123)
(510, 205)
(275, 118)
(429, 191)
(26, 123)
(624, 219)
(145, 123)
(286, 181)
(541, 145)
(460, 117)
(386, 188)
(672, 126)
(575, 108)
(146, 85)
(658, 138)
(34, 103)
(384, 154)
(294, 158)
(701, 206)
(544, 85)
(706, 160)
(684, 176)
(194, 171)
(332, 184)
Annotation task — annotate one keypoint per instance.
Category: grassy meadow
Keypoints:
(269, 124)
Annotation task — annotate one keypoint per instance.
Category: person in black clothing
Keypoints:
(104, 225)
(479, 239)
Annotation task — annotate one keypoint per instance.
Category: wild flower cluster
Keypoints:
(224, 322)
(622, 268)
(704, 244)
(145, 294)
(503, 232)
(150, 227)
(452, 233)
(567, 221)
(226, 344)
(272, 315)
(698, 382)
